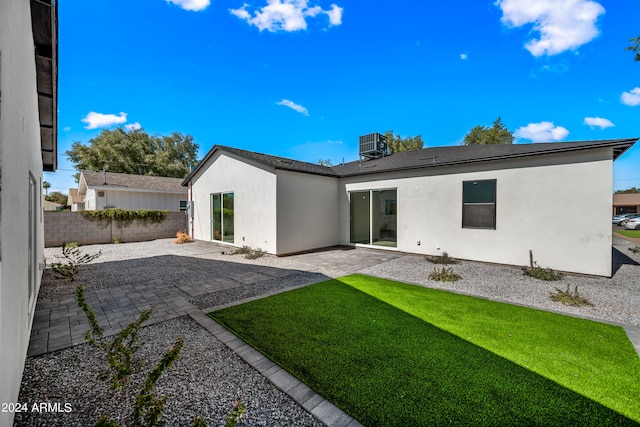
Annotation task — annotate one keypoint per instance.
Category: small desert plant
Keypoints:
(182, 237)
(249, 252)
(444, 274)
(121, 355)
(116, 240)
(443, 259)
(74, 258)
(542, 273)
(570, 298)
(635, 250)
(235, 416)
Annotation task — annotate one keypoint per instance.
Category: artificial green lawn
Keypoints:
(389, 353)
(629, 233)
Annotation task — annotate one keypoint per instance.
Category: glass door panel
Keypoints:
(227, 217)
(384, 224)
(360, 230)
(216, 216)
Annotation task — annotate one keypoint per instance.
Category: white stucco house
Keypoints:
(490, 203)
(101, 190)
(28, 123)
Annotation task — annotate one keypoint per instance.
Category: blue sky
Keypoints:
(303, 79)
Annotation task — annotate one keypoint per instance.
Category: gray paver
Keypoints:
(59, 323)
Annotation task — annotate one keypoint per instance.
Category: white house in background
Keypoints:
(102, 190)
(490, 203)
(28, 123)
(75, 200)
(50, 206)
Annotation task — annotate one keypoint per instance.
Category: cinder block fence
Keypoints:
(62, 227)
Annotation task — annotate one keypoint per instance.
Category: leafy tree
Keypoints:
(635, 47)
(482, 135)
(56, 197)
(46, 185)
(631, 190)
(325, 162)
(398, 144)
(135, 152)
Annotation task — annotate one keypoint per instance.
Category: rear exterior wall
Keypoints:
(254, 189)
(534, 199)
(20, 159)
(307, 212)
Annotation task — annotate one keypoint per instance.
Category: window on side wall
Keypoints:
(183, 205)
(479, 204)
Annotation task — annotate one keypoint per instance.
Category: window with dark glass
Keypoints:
(479, 204)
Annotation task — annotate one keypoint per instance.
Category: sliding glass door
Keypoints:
(222, 223)
(373, 216)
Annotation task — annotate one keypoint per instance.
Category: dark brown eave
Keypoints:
(44, 24)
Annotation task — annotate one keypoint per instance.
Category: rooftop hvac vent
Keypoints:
(373, 146)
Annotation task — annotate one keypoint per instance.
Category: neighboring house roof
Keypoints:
(123, 181)
(630, 199)
(423, 158)
(49, 206)
(74, 197)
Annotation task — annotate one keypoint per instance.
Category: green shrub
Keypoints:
(444, 274)
(570, 298)
(542, 273)
(116, 240)
(442, 259)
(124, 217)
(236, 415)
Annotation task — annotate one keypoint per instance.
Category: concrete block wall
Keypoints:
(61, 227)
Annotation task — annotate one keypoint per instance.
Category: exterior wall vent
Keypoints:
(373, 146)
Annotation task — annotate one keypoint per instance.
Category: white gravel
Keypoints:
(205, 381)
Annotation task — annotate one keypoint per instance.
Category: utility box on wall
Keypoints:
(190, 209)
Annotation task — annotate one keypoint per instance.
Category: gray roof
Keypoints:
(455, 155)
(133, 182)
(424, 158)
(265, 159)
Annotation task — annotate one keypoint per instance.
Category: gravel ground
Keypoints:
(208, 377)
(205, 381)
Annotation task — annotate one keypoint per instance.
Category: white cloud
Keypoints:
(631, 98)
(66, 128)
(192, 5)
(598, 122)
(463, 56)
(563, 25)
(540, 132)
(335, 14)
(286, 15)
(132, 126)
(299, 108)
(98, 120)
